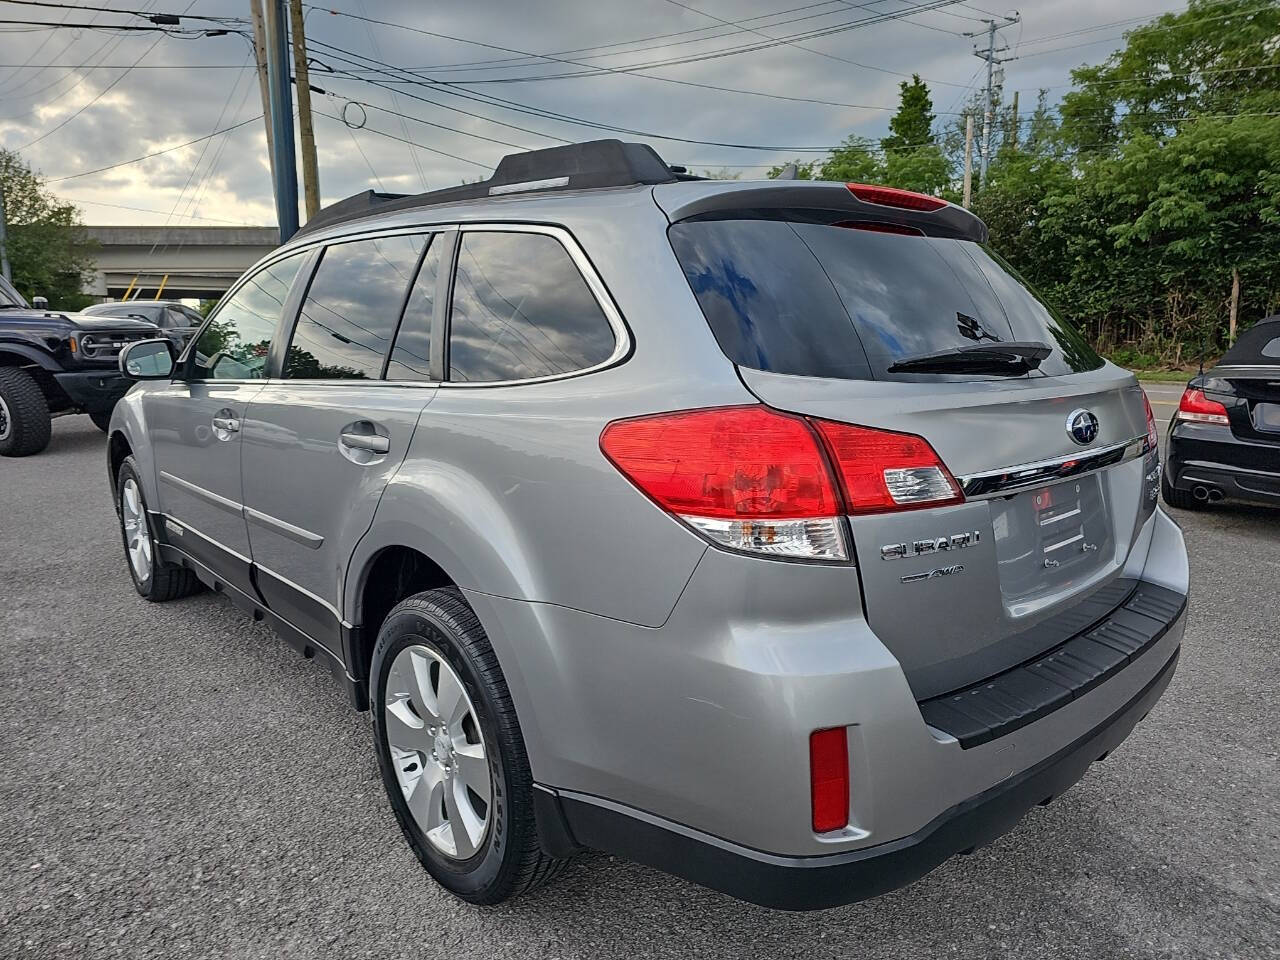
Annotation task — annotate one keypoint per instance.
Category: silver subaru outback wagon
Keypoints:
(774, 534)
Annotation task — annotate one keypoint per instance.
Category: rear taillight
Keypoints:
(1153, 434)
(893, 197)
(1198, 408)
(829, 779)
(880, 470)
(754, 479)
(748, 478)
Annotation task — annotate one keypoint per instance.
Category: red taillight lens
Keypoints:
(880, 470)
(1153, 435)
(725, 462)
(892, 197)
(747, 478)
(829, 778)
(753, 479)
(1198, 408)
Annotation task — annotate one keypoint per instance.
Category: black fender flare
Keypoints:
(39, 358)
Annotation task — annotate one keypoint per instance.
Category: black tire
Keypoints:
(163, 581)
(101, 420)
(1182, 499)
(26, 426)
(510, 859)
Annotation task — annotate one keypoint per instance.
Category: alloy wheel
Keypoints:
(5, 423)
(136, 535)
(438, 752)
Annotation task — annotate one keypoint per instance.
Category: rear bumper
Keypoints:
(1214, 458)
(93, 391)
(812, 883)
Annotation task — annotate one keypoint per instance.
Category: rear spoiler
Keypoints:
(818, 202)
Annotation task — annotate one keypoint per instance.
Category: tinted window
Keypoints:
(521, 309)
(411, 356)
(830, 301)
(235, 344)
(351, 309)
(179, 318)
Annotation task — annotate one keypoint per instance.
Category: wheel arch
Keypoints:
(18, 355)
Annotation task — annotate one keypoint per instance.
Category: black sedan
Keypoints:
(1224, 441)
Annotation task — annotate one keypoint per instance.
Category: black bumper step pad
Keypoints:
(1026, 693)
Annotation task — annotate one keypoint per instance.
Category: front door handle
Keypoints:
(230, 424)
(366, 441)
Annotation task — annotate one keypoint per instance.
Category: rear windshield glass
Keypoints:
(830, 301)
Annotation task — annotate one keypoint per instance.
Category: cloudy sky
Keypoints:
(70, 103)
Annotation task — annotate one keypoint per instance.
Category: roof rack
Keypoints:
(575, 166)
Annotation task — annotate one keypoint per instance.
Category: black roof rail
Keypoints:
(575, 166)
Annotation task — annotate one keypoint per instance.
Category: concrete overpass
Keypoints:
(200, 261)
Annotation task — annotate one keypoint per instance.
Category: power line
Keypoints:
(392, 136)
(448, 88)
(169, 19)
(125, 163)
(181, 216)
(593, 70)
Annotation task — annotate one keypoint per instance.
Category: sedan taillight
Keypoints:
(1197, 408)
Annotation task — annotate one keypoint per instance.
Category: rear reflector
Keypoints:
(893, 197)
(829, 779)
(880, 470)
(1197, 408)
(757, 480)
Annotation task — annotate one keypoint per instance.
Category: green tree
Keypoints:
(912, 125)
(913, 158)
(49, 252)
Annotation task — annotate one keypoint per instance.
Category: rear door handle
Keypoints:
(230, 424)
(366, 441)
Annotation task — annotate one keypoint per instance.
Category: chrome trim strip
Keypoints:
(311, 541)
(195, 490)
(302, 590)
(1061, 516)
(1064, 543)
(205, 537)
(994, 483)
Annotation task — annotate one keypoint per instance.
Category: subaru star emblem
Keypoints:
(1083, 426)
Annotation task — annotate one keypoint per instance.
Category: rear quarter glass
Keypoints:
(831, 301)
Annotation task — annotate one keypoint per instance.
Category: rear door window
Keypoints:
(834, 301)
(521, 310)
(349, 316)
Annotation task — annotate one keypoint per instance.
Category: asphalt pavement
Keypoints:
(175, 782)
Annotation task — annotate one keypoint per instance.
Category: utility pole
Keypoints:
(989, 55)
(260, 58)
(306, 133)
(1013, 123)
(4, 246)
(286, 165)
(968, 160)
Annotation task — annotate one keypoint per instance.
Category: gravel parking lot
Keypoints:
(175, 782)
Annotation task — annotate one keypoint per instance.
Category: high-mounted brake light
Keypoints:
(893, 197)
(757, 480)
(880, 470)
(1197, 408)
(829, 778)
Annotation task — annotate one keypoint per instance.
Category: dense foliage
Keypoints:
(1153, 191)
(49, 253)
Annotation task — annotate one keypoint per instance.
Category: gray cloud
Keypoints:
(164, 102)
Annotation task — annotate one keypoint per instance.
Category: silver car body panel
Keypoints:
(650, 670)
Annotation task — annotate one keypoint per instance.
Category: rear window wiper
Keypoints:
(1010, 359)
